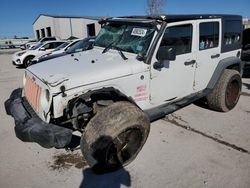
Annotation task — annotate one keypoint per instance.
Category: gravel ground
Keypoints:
(193, 147)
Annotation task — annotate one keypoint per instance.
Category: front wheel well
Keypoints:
(28, 57)
(83, 107)
(109, 94)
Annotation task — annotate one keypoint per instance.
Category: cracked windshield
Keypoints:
(128, 38)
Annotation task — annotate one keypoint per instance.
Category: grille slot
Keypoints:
(32, 92)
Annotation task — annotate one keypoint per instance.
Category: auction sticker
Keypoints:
(139, 32)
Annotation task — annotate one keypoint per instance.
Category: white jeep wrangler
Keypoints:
(139, 70)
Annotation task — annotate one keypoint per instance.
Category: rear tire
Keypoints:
(114, 137)
(226, 93)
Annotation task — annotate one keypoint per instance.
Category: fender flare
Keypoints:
(109, 93)
(222, 65)
(112, 92)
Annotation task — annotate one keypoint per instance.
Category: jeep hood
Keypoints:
(86, 68)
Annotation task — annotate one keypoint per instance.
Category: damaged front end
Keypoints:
(30, 128)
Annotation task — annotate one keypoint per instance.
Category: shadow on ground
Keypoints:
(109, 180)
(20, 67)
(74, 143)
(105, 159)
(202, 103)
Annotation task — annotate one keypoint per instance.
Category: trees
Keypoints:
(155, 7)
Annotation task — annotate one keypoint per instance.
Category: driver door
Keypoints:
(175, 80)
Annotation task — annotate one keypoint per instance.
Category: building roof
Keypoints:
(69, 16)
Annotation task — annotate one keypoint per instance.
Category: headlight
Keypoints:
(21, 53)
(47, 95)
(45, 98)
(24, 78)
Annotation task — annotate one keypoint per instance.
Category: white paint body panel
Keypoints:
(79, 74)
(175, 80)
(205, 65)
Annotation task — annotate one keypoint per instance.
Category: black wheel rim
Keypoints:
(124, 147)
(28, 62)
(232, 93)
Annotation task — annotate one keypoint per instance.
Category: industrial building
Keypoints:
(65, 27)
(246, 23)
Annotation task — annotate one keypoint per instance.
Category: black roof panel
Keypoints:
(174, 18)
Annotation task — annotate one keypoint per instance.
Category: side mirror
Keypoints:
(166, 53)
(158, 65)
(140, 56)
(42, 49)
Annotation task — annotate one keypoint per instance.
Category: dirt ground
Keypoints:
(193, 147)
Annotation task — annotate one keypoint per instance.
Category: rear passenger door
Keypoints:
(208, 51)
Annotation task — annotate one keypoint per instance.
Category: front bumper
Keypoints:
(30, 128)
(16, 62)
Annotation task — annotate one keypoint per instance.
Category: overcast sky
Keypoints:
(17, 16)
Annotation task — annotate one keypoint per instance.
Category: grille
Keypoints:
(32, 93)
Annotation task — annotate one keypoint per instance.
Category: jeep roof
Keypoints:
(171, 18)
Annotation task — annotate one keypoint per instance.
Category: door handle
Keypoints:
(215, 56)
(189, 62)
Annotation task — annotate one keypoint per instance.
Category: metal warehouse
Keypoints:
(246, 23)
(65, 27)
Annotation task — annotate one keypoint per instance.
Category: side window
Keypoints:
(49, 46)
(232, 33)
(209, 35)
(46, 46)
(180, 37)
(56, 44)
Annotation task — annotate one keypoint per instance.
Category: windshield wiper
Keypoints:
(116, 48)
(107, 48)
(120, 52)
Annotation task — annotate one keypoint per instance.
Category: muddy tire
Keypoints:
(226, 93)
(27, 61)
(114, 137)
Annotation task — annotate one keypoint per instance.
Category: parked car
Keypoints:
(23, 58)
(33, 43)
(140, 69)
(27, 44)
(79, 46)
(60, 49)
(245, 55)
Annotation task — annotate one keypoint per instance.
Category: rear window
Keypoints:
(232, 35)
(232, 32)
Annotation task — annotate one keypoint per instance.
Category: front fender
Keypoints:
(60, 101)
